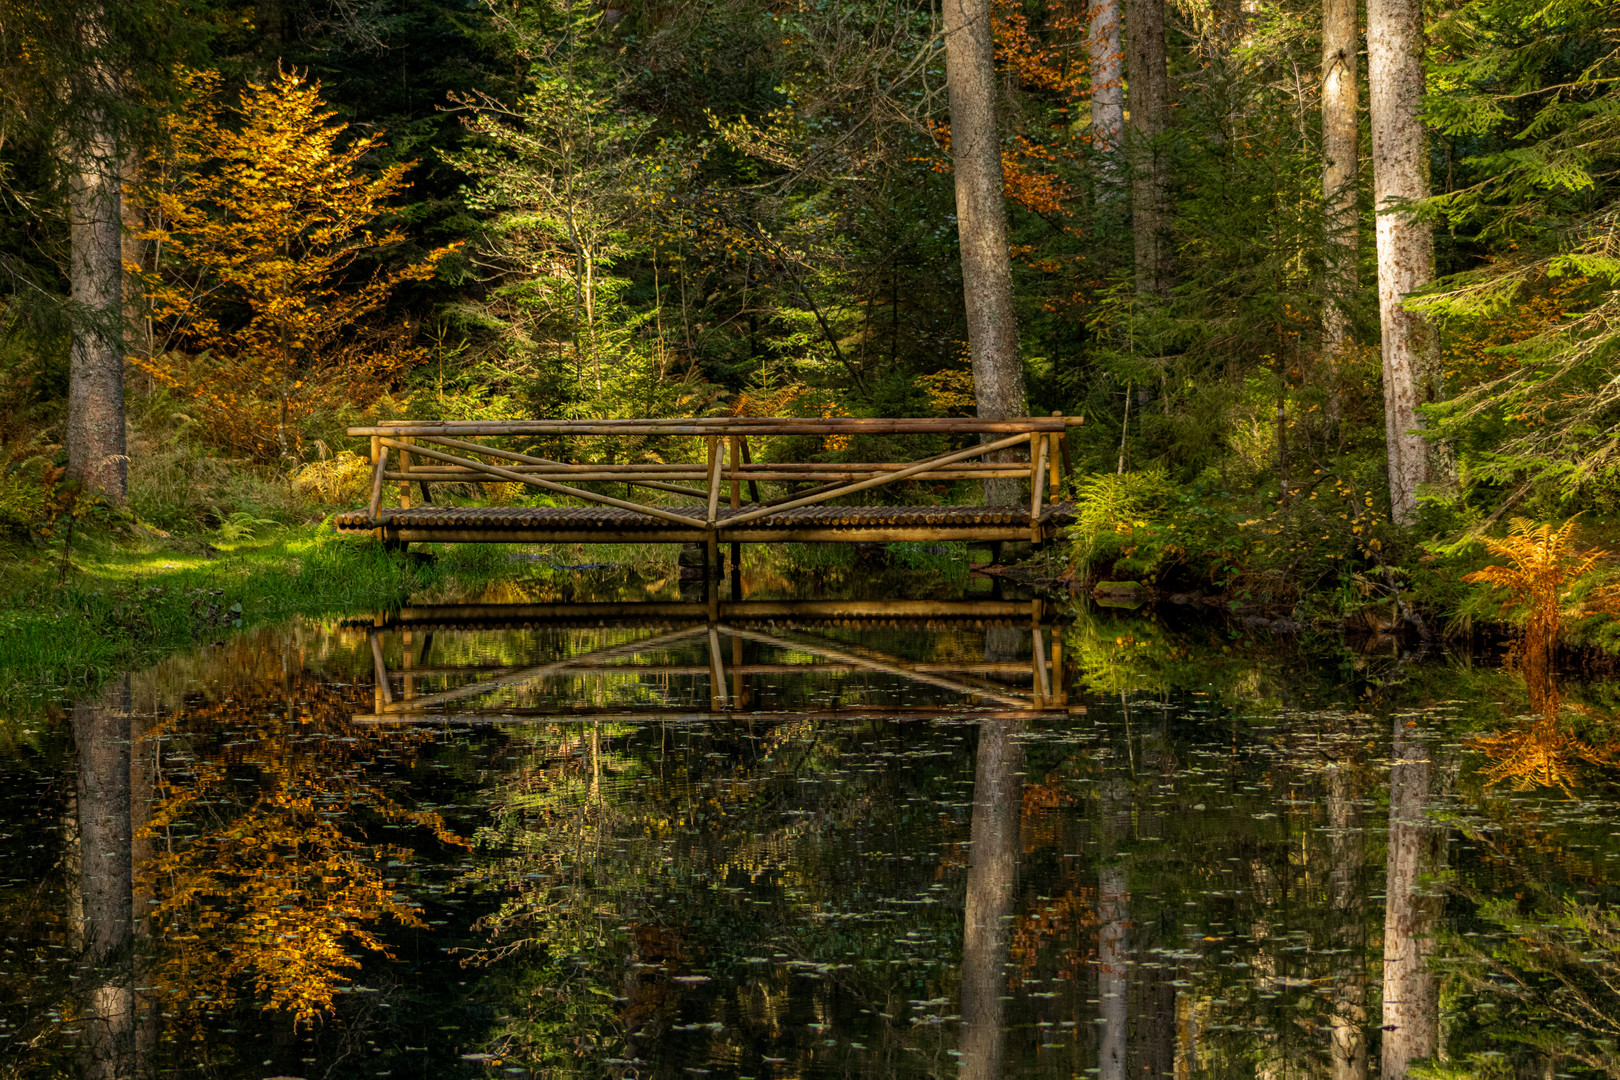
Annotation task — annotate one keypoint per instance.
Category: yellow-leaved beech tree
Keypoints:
(271, 270)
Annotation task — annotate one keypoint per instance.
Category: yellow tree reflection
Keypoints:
(267, 887)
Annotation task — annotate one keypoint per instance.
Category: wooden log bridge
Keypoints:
(728, 494)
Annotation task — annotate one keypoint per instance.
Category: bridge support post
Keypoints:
(711, 576)
(405, 467)
(376, 481)
(737, 449)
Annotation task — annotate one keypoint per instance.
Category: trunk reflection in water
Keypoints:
(1348, 1049)
(101, 744)
(1411, 908)
(417, 846)
(991, 885)
(1113, 936)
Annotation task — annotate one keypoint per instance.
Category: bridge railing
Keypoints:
(428, 452)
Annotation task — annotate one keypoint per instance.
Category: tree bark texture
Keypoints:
(1347, 1051)
(1106, 58)
(1341, 147)
(998, 791)
(1411, 913)
(95, 425)
(1400, 153)
(101, 730)
(1150, 105)
(981, 221)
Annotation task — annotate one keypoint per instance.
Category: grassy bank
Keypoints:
(121, 601)
(127, 595)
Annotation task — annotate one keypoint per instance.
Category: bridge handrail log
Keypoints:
(419, 443)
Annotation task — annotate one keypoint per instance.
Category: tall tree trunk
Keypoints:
(1341, 96)
(1150, 104)
(101, 731)
(95, 423)
(270, 26)
(1347, 1052)
(1400, 151)
(1411, 915)
(981, 221)
(998, 789)
(1107, 93)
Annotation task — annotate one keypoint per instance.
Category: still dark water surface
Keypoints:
(973, 847)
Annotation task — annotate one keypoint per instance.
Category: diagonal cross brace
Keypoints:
(563, 489)
(886, 478)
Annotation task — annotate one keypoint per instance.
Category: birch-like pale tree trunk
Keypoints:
(95, 420)
(1341, 98)
(998, 792)
(1106, 58)
(1150, 104)
(1347, 1051)
(101, 746)
(1411, 912)
(1400, 153)
(981, 222)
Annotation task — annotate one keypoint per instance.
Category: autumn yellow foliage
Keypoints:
(793, 399)
(267, 289)
(1541, 565)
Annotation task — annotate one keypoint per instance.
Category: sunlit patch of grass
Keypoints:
(119, 605)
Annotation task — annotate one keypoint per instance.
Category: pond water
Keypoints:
(977, 842)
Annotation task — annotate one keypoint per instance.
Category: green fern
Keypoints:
(1121, 517)
(243, 526)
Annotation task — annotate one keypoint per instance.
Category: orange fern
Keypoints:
(1542, 565)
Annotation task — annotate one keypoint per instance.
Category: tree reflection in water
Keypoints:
(1412, 906)
(101, 741)
(991, 887)
(1186, 881)
(265, 880)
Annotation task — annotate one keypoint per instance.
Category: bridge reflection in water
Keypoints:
(767, 663)
(673, 662)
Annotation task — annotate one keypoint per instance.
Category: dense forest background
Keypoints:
(334, 209)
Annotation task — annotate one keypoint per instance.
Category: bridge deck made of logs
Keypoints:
(609, 524)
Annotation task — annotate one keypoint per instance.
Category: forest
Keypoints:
(1333, 286)
(1286, 744)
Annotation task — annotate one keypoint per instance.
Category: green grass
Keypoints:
(130, 595)
(126, 603)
